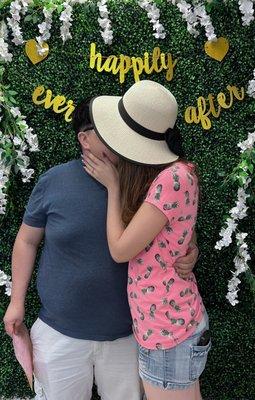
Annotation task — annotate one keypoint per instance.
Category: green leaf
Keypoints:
(35, 19)
(28, 18)
(12, 92)
(251, 168)
(60, 9)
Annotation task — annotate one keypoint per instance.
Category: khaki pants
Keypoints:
(65, 367)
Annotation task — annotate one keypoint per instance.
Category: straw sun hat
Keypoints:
(140, 126)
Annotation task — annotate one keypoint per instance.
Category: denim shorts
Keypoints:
(178, 367)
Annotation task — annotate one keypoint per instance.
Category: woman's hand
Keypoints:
(104, 171)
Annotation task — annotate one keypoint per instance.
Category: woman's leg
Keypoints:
(155, 393)
(198, 393)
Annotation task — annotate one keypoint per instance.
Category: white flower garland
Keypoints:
(44, 29)
(247, 9)
(238, 213)
(17, 7)
(105, 22)
(251, 86)
(195, 15)
(206, 22)
(241, 265)
(66, 18)
(22, 140)
(188, 15)
(153, 14)
(5, 280)
(5, 55)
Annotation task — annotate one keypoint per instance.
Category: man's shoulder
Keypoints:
(60, 169)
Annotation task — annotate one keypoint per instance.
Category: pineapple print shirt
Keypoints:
(165, 308)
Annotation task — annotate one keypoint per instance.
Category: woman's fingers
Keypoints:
(94, 159)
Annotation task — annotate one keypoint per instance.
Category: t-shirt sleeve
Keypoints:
(172, 191)
(36, 210)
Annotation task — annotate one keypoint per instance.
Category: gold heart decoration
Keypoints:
(218, 49)
(32, 53)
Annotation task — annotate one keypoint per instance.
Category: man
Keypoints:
(84, 326)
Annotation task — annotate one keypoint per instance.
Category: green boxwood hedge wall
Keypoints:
(230, 370)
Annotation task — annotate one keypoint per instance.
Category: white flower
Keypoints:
(44, 29)
(17, 141)
(153, 14)
(247, 9)
(105, 22)
(16, 8)
(251, 86)
(195, 15)
(3, 278)
(8, 288)
(27, 174)
(4, 52)
(248, 143)
(15, 112)
(66, 17)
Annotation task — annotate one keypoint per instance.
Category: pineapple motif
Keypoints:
(148, 289)
(174, 305)
(158, 192)
(149, 271)
(170, 206)
(161, 262)
(181, 240)
(147, 248)
(191, 324)
(177, 185)
(147, 334)
(187, 198)
(153, 310)
(168, 284)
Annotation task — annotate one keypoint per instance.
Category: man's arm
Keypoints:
(23, 259)
(184, 265)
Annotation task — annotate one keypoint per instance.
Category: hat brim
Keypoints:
(122, 140)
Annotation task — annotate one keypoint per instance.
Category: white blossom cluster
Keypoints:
(195, 15)
(22, 140)
(238, 213)
(5, 280)
(251, 86)
(247, 9)
(4, 179)
(205, 21)
(30, 142)
(248, 143)
(5, 55)
(66, 18)
(105, 22)
(44, 29)
(241, 264)
(153, 13)
(17, 8)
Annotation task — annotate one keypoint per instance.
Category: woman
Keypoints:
(152, 210)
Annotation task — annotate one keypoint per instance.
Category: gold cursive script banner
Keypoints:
(122, 64)
(211, 107)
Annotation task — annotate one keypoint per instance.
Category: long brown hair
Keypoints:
(135, 181)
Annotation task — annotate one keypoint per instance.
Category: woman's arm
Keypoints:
(125, 244)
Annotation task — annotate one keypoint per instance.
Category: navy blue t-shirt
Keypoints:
(82, 290)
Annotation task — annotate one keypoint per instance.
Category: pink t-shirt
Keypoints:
(165, 308)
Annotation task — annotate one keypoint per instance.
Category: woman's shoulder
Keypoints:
(182, 169)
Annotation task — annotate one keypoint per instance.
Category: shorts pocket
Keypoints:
(34, 328)
(198, 360)
(143, 356)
